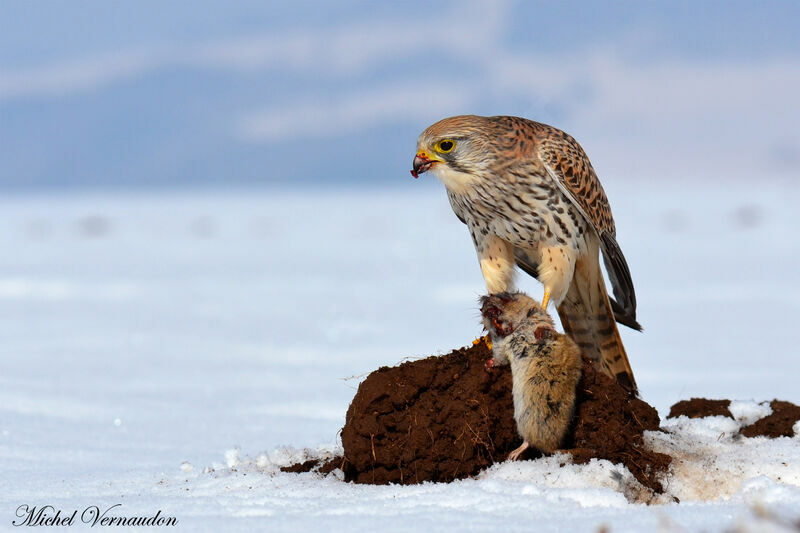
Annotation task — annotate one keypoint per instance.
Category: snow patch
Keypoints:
(186, 340)
(712, 461)
(748, 412)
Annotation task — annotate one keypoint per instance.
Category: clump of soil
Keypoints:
(436, 419)
(610, 424)
(700, 408)
(317, 465)
(779, 424)
(305, 466)
(445, 418)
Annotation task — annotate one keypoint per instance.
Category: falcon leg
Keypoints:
(555, 272)
(496, 258)
(516, 453)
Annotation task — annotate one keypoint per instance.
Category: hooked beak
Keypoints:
(422, 162)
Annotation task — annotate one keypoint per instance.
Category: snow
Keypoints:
(169, 352)
(747, 413)
(712, 461)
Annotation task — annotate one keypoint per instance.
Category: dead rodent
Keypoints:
(545, 365)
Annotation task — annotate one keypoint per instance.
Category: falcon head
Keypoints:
(456, 150)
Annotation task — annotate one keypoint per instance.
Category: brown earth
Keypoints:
(610, 424)
(445, 418)
(779, 424)
(700, 408)
(305, 466)
(316, 465)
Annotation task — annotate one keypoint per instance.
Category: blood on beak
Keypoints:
(421, 163)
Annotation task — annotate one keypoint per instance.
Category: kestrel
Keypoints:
(530, 198)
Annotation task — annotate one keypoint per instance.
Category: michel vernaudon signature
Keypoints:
(47, 515)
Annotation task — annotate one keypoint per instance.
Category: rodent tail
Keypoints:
(588, 319)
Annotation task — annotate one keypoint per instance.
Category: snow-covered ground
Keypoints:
(160, 351)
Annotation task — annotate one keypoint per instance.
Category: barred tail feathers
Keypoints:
(588, 319)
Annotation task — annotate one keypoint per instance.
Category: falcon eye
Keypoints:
(444, 146)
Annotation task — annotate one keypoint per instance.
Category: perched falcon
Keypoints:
(531, 198)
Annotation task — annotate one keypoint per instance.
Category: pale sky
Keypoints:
(194, 93)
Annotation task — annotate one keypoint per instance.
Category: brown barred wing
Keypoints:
(568, 165)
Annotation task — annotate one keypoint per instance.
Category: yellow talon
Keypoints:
(545, 299)
(485, 339)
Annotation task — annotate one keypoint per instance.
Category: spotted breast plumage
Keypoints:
(530, 198)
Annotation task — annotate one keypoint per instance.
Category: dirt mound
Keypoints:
(445, 418)
(779, 424)
(609, 424)
(700, 408)
(436, 419)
